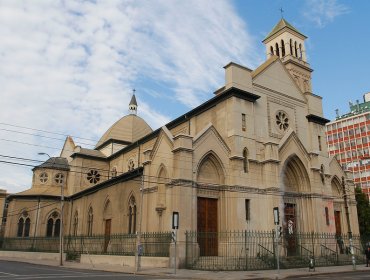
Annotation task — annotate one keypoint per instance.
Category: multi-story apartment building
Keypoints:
(348, 138)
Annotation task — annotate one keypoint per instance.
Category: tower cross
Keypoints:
(282, 12)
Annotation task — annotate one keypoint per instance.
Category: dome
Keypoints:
(129, 128)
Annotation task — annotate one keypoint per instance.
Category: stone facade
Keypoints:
(259, 143)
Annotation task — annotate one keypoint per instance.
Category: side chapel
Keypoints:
(258, 143)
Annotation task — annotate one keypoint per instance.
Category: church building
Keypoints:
(258, 143)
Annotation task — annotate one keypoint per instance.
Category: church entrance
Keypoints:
(290, 226)
(207, 226)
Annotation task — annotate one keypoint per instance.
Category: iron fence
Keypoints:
(256, 250)
(155, 244)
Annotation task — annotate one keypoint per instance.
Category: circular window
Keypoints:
(282, 120)
(131, 165)
(93, 176)
(59, 178)
(43, 177)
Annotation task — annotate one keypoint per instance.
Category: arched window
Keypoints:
(132, 211)
(295, 49)
(90, 220)
(245, 160)
(291, 46)
(53, 225)
(300, 51)
(24, 224)
(322, 173)
(271, 50)
(57, 227)
(282, 48)
(20, 227)
(327, 216)
(49, 228)
(75, 224)
(277, 49)
(27, 226)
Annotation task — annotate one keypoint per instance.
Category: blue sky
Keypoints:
(70, 66)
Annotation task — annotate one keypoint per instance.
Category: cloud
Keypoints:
(322, 12)
(70, 66)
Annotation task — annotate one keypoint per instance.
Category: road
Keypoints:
(17, 271)
(360, 275)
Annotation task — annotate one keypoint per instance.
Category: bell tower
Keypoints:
(286, 42)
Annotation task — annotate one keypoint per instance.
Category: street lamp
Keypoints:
(44, 154)
(61, 217)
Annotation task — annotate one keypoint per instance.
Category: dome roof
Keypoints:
(129, 128)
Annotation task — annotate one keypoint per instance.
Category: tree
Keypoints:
(363, 212)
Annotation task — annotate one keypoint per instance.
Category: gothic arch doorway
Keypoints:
(210, 175)
(294, 180)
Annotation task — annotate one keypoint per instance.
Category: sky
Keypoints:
(69, 67)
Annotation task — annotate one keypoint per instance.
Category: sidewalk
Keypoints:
(197, 274)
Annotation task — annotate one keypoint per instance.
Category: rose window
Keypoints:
(282, 121)
(131, 165)
(43, 177)
(93, 176)
(59, 178)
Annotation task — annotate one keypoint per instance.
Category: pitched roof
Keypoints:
(133, 100)
(59, 163)
(264, 65)
(281, 25)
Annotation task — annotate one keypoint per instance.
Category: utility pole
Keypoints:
(139, 249)
(348, 222)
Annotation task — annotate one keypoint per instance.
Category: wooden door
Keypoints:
(290, 227)
(338, 231)
(107, 234)
(207, 226)
(338, 225)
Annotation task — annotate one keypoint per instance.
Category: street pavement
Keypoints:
(165, 273)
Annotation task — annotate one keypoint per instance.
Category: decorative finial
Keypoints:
(281, 11)
(133, 104)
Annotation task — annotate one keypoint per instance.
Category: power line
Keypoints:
(39, 135)
(50, 132)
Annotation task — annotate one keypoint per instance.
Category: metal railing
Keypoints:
(155, 244)
(330, 255)
(253, 250)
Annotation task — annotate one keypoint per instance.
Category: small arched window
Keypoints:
(75, 223)
(282, 48)
(53, 225)
(277, 49)
(245, 160)
(300, 51)
(295, 49)
(291, 46)
(322, 173)
(327, 216)
(90, 221)
(24, 225)
(132, 212)
(20, 227)
(271, 50)
(27, 226)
